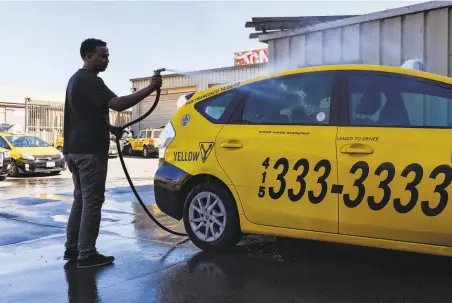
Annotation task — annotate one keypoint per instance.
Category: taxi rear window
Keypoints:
(383, 100)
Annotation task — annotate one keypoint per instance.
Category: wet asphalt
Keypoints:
(154, 266)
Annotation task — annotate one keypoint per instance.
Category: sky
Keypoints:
(40, 41)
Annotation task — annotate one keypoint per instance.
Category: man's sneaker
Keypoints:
(94, 261)
(70, 254)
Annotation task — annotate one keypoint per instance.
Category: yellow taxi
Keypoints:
(356, 154)
(31, 154)
(59, 143)
(145, 142)
(112, 151)
(5, 163)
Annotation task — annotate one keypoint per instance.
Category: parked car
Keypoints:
(31, 154)
(5, 163)
(112, 152)
(146, 142)
(356, 154)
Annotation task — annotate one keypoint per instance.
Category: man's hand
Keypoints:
(156, 82)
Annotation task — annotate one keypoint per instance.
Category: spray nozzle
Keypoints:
(159, 71)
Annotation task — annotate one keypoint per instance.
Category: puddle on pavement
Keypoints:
(60, 218)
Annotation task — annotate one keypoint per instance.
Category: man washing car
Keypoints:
(87, 140)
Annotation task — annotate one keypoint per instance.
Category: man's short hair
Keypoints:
(89, 46)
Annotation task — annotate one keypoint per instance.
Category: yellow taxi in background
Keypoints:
(59, 143)
(31, 154)
(5, 162)
(112, 151)
(357, 154)
(145, 142)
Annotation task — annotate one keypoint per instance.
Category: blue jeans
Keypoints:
(89, 173)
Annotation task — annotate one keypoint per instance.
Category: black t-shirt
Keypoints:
(86, 115)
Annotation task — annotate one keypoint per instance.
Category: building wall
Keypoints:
(388, 41)
(176, 85)
(12, 114)
(164, 110)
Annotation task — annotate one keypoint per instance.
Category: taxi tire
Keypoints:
(146, 153)
(232, 233)
(2, 178)
(14, 170)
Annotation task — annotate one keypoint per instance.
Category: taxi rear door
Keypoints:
(279, 151)
(138, 143)
(394, 158)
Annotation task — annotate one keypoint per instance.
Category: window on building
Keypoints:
(394, 101)
(302, 99)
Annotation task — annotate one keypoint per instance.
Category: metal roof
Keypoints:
(268, 25)
(203, 71)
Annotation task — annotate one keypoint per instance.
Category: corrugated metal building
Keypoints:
(421, 31)
(177, 85)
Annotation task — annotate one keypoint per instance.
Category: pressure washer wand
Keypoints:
(118, 131)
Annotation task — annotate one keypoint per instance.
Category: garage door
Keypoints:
(165, 109)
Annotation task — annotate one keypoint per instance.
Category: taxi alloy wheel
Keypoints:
(211, 218)
(130, 150)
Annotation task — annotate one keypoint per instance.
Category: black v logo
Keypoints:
(206, 149)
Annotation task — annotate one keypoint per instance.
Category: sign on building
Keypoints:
(251, 57)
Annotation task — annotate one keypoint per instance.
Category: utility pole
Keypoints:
(27, 101)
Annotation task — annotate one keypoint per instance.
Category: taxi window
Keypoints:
(379, 100)
(26, 141)
(298, 99)
(215, 108)
(149, 135)
(143, 134)
(157, 133)
(3, 143)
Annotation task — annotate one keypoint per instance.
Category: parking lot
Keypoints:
(153, 266)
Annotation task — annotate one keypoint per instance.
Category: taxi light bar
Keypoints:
(414, 64)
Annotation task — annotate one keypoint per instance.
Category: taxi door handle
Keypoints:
(349, 149)
(231, 145)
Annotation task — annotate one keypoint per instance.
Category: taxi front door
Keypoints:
(394, 159)
(280, 154)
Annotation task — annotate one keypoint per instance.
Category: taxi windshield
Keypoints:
(27, 141)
